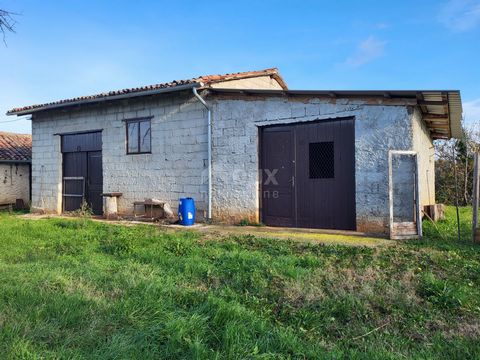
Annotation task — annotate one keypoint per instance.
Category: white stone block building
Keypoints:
(244, 146)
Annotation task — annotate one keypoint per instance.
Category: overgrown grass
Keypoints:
(83, 289)
(444, 233)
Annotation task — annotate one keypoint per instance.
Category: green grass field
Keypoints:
(83, 289)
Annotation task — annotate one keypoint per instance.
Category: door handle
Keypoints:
(293, 181)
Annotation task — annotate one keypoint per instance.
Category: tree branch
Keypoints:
(7, 23)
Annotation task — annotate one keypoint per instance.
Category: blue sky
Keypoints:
(70, 48)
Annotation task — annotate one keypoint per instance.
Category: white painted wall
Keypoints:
(423, 144)
(14, 183)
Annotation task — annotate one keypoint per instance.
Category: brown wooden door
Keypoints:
(82, 171)
(74, 177)
(325, 173)
(278, 200)
(320, 179)
(95, 181)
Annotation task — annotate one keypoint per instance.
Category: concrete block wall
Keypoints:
(46, 166)
(14, 183)
(378, 128)
(175, 168)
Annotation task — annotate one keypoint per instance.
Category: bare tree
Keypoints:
(456, 156)
(7, 22)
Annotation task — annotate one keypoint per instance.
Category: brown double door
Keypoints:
(308, 175)
(82, 171)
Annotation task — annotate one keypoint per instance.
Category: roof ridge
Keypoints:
(273, 72)
(7, 133)
(268, 71)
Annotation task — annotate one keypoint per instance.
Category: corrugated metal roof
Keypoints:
(456, 111)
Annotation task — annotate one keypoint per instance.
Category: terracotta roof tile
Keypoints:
(171, 84)
(208, 79)
(204, 81)
(15, 147)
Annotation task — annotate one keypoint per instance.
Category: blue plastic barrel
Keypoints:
(186, 211)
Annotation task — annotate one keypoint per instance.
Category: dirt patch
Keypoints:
(331, 281)
(465, 327)
(301, 235)
(215, 232)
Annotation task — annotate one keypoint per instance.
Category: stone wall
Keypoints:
(175, 168)
(14, 183)
(379, 126)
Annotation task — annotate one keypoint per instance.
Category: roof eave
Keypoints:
(333, 93)
(11, 161)
(455, 114)
(104, 99)
(452, 103)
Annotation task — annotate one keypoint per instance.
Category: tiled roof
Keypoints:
(204, 81)
(15, 147)
(273, 72)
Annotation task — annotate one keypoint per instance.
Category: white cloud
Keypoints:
(367, 51)
(460, 15)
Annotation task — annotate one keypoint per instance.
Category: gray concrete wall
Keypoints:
(14, 183)
(379, 126)
(174, 169)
